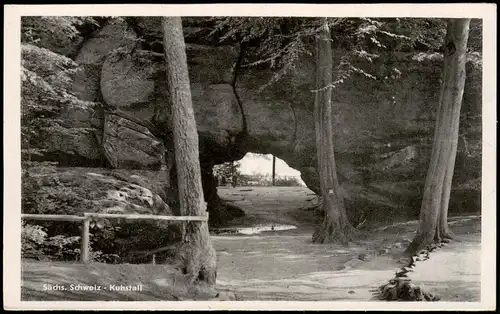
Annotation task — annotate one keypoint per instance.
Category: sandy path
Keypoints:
(271, 205)
(287, 266)
(453, 272)
(291, 268)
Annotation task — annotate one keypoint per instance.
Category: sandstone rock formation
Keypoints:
(383, 128)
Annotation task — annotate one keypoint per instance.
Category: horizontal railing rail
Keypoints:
(87, 217)
(53, 217)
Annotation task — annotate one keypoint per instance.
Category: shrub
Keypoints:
(35, 244)
(32, 239)
(62, 248)
(287, 181)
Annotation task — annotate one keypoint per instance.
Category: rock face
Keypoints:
(114, 35)
(383, 128)
(76, 190)
(127, 144)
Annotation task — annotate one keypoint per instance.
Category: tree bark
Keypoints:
(196, 251)
(335, 227)
(433, 225)
(220, 211)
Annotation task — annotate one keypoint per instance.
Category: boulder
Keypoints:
(127, 83)
(88, 116)
(77, 190)
(114, 35)
(128, 144)
(71, 146)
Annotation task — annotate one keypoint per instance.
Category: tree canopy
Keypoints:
(280, 42)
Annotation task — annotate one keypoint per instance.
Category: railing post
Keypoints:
(85, 232)
(84, 250)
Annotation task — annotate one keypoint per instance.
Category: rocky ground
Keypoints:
(282, 264)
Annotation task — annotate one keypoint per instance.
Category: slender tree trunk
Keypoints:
(434, 210)
(274, 170)
(199, 260)
(335, 227)
(233, 174)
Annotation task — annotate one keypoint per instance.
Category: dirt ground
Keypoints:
(254, 264)
(286, 265)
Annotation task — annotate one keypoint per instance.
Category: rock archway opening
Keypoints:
(259, 193)
(256, 169)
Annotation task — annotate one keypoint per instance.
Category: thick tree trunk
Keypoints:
(335, 227)
(199, 260)
(434, 210)
(220, 211)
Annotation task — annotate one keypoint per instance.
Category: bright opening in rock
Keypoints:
(257, 170)
(259, 193)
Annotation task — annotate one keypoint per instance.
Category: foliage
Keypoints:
(57, 33)
(43, 192)
(109, 243)
(36, 244)
(475, 42)
(287, 181)
(280, 42)
(227, 171)
(32, 239)
(46, 79)
(258, 179)
(62, 248)
(32, 200)
(118, 241)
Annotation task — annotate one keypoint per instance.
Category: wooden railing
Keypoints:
(87, 217)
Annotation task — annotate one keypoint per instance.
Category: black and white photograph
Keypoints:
(217, 160)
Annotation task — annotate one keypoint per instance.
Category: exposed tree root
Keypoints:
(321, 237)
(447, 234)
(400, 287)
(222, 212)
(196, 257)
(328, 233)
(422, 243)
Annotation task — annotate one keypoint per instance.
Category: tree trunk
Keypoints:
(274, 170)
(220, 211)
(198, 255)
(335, 227)
(434, 210)
(233, 174)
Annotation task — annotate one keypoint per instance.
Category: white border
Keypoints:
(12, 169)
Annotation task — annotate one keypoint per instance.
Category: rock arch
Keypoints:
(382, 137)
